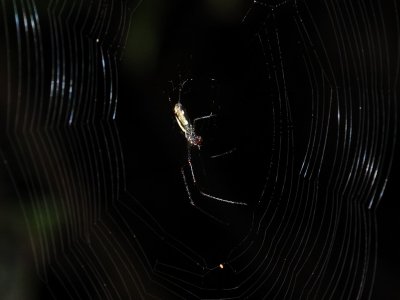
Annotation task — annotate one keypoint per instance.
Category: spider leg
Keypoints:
(172, 84)
(203, 118)
(221, 199)
(201, 191)
(171, 90)
(194, 205)
(181, 86)
(223, 154)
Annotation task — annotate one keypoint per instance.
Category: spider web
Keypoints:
(304, 95)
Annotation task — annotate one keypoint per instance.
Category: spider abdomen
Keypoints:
(186, 126)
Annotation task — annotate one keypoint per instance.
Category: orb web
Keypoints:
(304, 95)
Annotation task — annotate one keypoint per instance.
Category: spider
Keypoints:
(195, 141)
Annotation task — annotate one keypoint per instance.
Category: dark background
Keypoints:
(232, 75)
